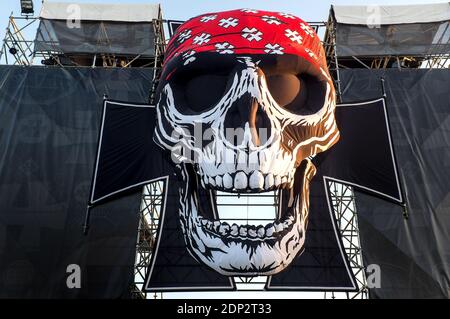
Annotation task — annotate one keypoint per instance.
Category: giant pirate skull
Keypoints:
(245, 101)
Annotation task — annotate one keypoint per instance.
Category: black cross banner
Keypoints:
(173, 25)
(363, 158)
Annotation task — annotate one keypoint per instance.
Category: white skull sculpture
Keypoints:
(243, 122)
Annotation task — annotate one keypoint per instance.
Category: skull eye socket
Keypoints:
(286, 89)
(203, 92)
(302, 94)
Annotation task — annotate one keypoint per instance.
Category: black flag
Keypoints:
(126, 154)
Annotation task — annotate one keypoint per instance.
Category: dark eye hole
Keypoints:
(205, 91)
(286, 88)
(299, 94)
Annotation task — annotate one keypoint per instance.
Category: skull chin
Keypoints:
(244, 250)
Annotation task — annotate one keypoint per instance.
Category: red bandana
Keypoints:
(245, 31)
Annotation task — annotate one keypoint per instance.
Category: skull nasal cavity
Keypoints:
(247, 110)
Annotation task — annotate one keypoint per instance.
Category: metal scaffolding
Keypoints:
(16, 49)
(344, 207)
(436, 57)
(149, 215)
(44, 48)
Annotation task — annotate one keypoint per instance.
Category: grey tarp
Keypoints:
(122, 12)
(418, 39)
(392, 14)
(414, 253)
(49, 123)
(94, 37)
(88, 28)
(122, 29)
(375, 30)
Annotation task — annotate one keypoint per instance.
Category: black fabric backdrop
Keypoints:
(414, 254)
(49, 122)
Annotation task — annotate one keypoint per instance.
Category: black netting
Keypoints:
(399, 39)
(90, 37)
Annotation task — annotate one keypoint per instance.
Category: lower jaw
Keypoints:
(249, 250)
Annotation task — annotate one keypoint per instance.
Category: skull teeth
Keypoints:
(246, 231)
(269, 181)
(219, 181)
(240, 181)
(277, 180)
(227, 181)
(256, 180)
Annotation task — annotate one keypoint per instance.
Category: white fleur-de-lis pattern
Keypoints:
(294, 36)
(189, 57)
(252, 34)
(184, 36)
(311, 54)
(202, 38)
(274, 49)
(287, 15)
(229, 22)
(308, 30)
(271, 20)
(224, 48)
(205, 19)
(249, 11)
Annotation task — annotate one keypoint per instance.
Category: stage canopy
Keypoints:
(419, 13)
(374, 30)
(100, 11)
(121, 29)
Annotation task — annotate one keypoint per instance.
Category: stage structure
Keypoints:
(349, 44)
(384, 37)
(79, 34)
(380, 37)
(17, 48)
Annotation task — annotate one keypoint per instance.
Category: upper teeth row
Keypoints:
(246, 231)
(241, 180)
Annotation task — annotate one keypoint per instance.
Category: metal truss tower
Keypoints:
(16, 49)
(344, 207)
(149, 215)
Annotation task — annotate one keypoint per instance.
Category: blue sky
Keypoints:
(311, 10)
(182, 9)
